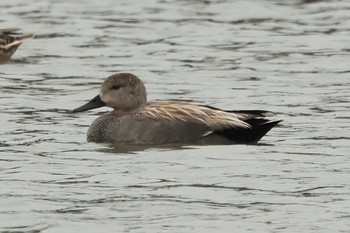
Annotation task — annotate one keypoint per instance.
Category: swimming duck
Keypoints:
(133, 120)
(10, 40)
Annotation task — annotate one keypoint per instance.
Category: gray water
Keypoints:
(288, 57)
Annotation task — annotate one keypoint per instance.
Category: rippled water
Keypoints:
(290, 57)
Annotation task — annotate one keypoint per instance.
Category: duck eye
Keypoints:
(115, 87)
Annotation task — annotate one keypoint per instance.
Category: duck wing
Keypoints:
(242, 126)
(10, 40)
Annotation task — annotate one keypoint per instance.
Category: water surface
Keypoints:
(289, 57)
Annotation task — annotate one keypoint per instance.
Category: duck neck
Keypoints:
(119, 112)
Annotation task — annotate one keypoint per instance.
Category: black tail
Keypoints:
(255, 118)
(259, 127)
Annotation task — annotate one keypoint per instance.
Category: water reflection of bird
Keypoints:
(10, 40)
(136, 121)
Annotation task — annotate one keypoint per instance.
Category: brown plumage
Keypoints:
(185, 111)
(136, 121)
(10, 40)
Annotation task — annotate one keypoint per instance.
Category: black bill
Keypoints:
(96, 102)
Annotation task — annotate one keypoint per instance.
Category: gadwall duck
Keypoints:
(10, 40)
(136, 121)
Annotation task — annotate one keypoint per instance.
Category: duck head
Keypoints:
(122, 92)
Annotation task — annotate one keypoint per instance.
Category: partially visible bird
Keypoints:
(10, 40)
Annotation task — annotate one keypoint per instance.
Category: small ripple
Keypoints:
(35, 228)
